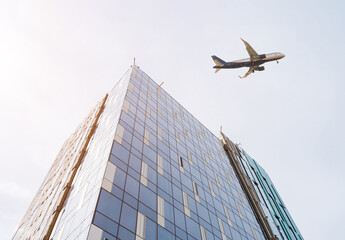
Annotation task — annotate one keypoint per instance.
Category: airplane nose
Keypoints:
(282, 55)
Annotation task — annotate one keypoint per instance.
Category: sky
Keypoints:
(59, 58)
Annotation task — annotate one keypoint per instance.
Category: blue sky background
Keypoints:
(58, 58)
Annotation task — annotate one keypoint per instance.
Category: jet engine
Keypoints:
(260, 68)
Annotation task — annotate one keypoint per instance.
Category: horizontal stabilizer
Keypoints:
(217, 70)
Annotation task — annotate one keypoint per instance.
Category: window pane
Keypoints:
(109, 205)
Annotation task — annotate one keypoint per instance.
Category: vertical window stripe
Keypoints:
(203, 158)
(147, 137)
(160, 211)
(190, 158)
(196, 192)
(211, 187)
(141, 225)
(160, 164)
(221, 227)
(203, 233)
(226, 211)
(180, 161)
(159, 133)
(144, 170)
(119, 133)
(186, 204)
(148, 112)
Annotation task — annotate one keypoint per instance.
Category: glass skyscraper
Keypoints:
(141, 166)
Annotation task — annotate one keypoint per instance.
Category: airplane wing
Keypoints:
(251, 70)
(253, 55)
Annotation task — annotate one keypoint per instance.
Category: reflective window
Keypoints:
(105, 223)
(109, 205)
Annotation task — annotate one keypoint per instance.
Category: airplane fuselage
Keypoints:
(248, 63)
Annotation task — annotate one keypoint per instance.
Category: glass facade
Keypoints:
(143, 168)
(171, 178)
(276, 212)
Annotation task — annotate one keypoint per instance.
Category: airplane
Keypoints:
(253, 62)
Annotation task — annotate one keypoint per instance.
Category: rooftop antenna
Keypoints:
(134, 62)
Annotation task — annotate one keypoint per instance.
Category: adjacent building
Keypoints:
(140, 166)
(279, 217)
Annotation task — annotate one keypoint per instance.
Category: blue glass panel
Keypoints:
(203, 212)
(139, 128)
(118, 192)
(118, 163)
(168, 211)
(177, 193)
(128, 217)
(148, 197)
(109, 205)
(178, 205)
(148, 212)
(186, 181)
(209, 199)
(163, 148)
(193, 228)
(175, 173)
(247, 227)
(125, 234)
(181, 234)
(137, 143)
(119, 178)
(238, 220)
(150, 154)
(130, 200)
(205, 224)
(105, 223)
(151, 230)
(124, 124)
(170, 226)
(179, 219)
(149, 162)
(210, 236)
(218, 206)
(134, 174)
(214, 220)
(127, 136)
(134, 162)
(163, 234)
(235, 234)
(227, 230)
(127, 119)
(192, 206)
(132, 186)
(120, 152)
(140, 114)
(151, 186)
(137, 153)
(152, 175)
(194, 216)
(217, 233)
(165, 195)
(164, 184)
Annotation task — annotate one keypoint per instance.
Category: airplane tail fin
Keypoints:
(219, 62)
